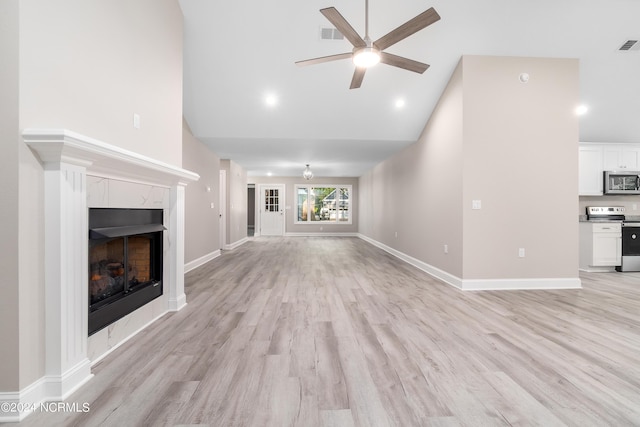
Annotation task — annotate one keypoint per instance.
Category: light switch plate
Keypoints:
(476, 204)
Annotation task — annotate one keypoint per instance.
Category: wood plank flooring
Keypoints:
(335, 332)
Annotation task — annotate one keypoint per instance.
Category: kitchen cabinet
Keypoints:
(621, 157)
(590, 170)
(594, 158)
(600, 246)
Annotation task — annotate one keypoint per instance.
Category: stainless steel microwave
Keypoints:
(622, 182)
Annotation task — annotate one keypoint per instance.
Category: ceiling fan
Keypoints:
(367, 53)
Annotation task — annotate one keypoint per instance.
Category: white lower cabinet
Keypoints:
(600, 246)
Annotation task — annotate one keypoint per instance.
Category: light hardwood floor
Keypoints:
(335, 332)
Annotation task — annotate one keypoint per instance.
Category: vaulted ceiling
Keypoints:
(238, 53)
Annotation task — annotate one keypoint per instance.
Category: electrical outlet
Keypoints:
(136, 121)
(321, 228)
(396, 234)
(521, 252)
(446, 249)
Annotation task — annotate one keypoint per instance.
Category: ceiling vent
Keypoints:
(630, 45)
(330, 33)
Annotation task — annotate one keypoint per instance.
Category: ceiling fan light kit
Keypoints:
(365, 53)
(366, 57)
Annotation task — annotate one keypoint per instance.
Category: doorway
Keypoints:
(272, 210)
(223, 209)
(251, 210)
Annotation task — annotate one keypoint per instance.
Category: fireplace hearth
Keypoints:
(125, 262)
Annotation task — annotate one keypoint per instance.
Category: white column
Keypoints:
(66, 293)
(174, 275)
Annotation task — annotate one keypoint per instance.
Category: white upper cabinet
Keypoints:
(590, 170)
(595, 158)
(620, 157)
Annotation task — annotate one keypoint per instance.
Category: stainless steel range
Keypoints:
(605, 213)
(630, 259)
(630, 246)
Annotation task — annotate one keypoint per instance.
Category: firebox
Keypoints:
(125, 262)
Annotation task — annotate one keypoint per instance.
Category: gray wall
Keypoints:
(491, 138)
(86, 67)
(202, 227)
(290, 213)
(9, 214)
(417, 192)
(520, 153)
(108, 59)
(236, 201)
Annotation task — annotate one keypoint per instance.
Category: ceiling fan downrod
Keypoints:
(367, 56)
(366, 20)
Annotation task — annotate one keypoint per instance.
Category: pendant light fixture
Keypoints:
(307, 174)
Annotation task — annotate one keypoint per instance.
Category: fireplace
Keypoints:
(81, 173)
(125, 262)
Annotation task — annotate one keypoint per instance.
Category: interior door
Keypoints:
(222, 207)
(272, 210)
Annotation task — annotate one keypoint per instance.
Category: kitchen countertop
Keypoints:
(628, 218)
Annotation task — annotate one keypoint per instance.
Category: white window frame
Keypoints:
(337, 187)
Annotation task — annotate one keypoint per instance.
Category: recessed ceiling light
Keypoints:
(581, 110)
(269, 174)
(271, 100)
(400, 103)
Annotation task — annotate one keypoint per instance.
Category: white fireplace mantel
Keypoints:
(68, 158)
(102, 159)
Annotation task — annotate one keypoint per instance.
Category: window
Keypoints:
(323, 204)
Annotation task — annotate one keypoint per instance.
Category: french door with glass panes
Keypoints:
(272, 210)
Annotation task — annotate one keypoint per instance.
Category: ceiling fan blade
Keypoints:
(324, 59)
(410, 27)
(338, 21)
(358, 75)
(401, 62)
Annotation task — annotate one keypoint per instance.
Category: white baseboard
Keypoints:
(178, 303)
(482, 284)
(321, 234)
(18, 405)
(521, 284)
(598, 269)
(234, 245)
(192, 265)
(448, 278)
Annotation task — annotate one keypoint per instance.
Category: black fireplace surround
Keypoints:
(125, 262)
